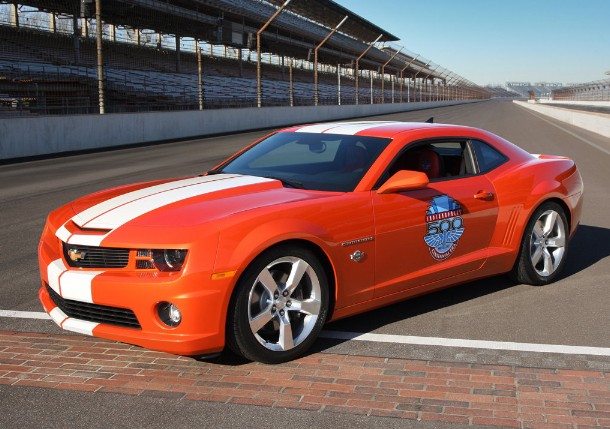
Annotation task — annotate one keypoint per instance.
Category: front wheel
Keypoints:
(279, 306)
(544, 247)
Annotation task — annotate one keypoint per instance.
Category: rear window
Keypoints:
(488, 158)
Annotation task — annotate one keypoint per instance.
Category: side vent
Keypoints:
(512, 223)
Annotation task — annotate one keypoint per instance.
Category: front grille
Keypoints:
(94, 312)
(95, 257)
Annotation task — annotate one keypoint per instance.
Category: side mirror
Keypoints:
(404, 180)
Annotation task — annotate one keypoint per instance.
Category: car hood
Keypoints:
(184, 202)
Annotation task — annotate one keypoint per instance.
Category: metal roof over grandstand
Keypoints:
(329, 13)
(294, 33)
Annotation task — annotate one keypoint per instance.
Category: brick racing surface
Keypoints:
(467, 393)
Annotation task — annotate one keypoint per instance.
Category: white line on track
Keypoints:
(475, 344)
(24, 314)
(573, 134)
(409, 339)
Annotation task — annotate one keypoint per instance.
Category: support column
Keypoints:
(100, 56)
(199, 74)
(75, 39)
(53, 23)
(371, 74)
(15, 15)
(178, 65)
(338, 84)
(85, 27)
(291, 84)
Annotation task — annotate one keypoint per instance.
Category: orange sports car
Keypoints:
(309, 224)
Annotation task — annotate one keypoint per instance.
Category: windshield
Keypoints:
(324, 162)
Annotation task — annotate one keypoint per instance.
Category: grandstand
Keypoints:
(539, 89)
(591, 91)
(498, 91)
(201, 54)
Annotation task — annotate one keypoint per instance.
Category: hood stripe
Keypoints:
(91, 213)
(115, 212)
(130, 210)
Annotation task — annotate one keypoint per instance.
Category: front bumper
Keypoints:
(202, 301)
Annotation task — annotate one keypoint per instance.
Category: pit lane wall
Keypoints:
(596, 122)
(35, 136)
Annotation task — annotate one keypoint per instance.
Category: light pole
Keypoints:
(315, 61)
(426, 80)
(415, 83)
(383, 74)
(259, 92)
(401, 78)
(358, 61)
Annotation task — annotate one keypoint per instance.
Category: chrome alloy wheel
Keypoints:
(284, 303)
(547, 243)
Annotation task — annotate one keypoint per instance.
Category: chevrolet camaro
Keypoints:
(310, 224)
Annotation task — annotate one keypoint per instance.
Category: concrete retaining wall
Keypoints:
(596, 122)
(33, 136)
(575, 103)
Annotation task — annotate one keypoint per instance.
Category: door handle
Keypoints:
(482, 195)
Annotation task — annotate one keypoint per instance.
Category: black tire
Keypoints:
(276, 322)
(544, 246)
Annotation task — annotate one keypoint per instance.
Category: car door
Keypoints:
(443, 230)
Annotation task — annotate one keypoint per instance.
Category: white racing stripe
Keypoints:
(345, 128)
(63, 234)
(86, 240)
(80, 326)
(58, 316)
(128, 211)
(76, 285)
(463, 343)
(117, 211)
(92, 212)
(54, 271)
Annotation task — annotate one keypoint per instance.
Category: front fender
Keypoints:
(238, 247)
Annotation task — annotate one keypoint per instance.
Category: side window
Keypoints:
(487, 157)
(439, 159)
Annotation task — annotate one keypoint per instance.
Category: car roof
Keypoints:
(367, 128)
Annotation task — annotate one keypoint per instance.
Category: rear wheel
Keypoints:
(279, 306)
(544, 247)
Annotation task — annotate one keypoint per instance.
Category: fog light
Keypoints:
(169, 314)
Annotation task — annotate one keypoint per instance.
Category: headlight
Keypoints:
(161, 259)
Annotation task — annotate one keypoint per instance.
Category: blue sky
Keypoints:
(495, 41)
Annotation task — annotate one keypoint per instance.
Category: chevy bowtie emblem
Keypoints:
(77, 254)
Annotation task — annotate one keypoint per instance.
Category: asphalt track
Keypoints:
(572, 312)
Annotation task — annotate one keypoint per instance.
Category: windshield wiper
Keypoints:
(288, 183)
